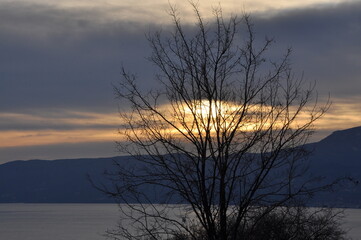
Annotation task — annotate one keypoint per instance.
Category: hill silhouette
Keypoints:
(66, 180)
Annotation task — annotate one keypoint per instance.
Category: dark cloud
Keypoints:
(63, 59)
(326, 44)
(58, 58)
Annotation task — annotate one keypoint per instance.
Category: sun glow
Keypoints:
(201, 116)
(221, 118)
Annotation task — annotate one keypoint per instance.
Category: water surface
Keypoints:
(86, 221)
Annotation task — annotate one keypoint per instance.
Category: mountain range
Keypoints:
(67, 180)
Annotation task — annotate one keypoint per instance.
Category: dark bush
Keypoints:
(296, 223)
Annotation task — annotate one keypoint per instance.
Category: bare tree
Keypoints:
(223, 134)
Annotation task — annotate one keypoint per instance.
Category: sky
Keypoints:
(59, 61)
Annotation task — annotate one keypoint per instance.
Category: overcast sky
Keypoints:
(58, 62)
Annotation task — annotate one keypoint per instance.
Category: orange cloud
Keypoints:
(343, 113)
(81, 127)
(50, 137)
(31, 129)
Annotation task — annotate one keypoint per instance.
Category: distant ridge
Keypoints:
(66, 181)
(339, 155)
(345, 138)
(55, 181)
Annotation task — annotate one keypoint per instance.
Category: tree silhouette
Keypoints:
(223, 134)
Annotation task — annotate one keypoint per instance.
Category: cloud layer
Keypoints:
(58, 62)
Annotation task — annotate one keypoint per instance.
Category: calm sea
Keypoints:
(85, 221)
